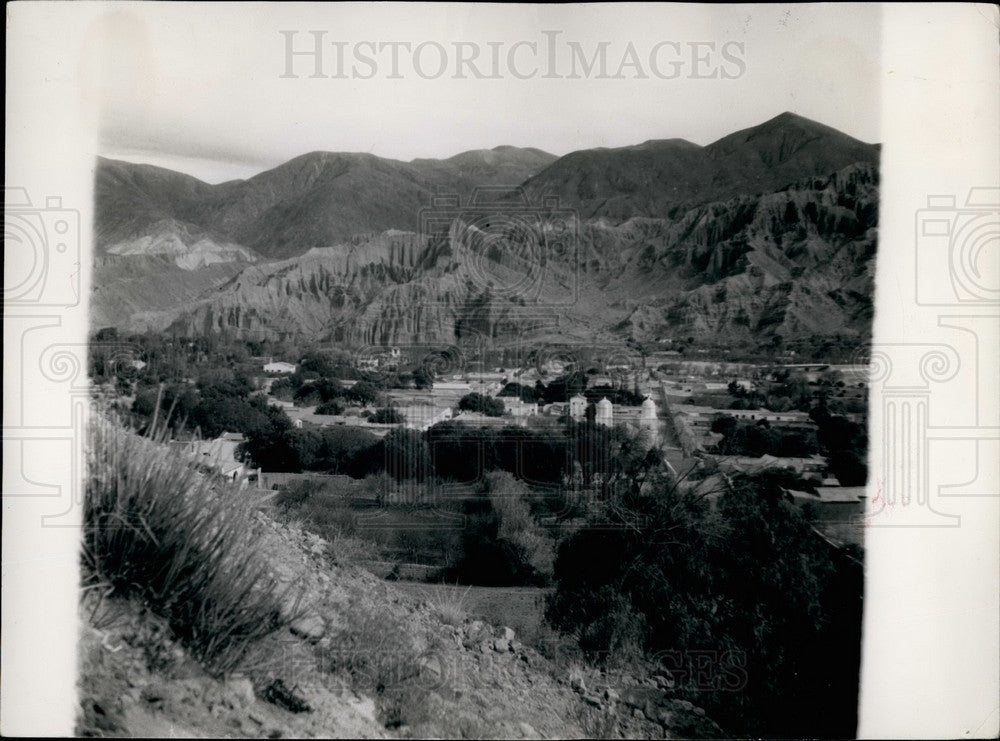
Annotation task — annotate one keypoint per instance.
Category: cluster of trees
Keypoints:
(845, 445)
(760, 438)
(842, 442)
(588, 454)
(476, 402)
(169, 359)
(463, 453)
(526, 393)
(278, 446)
(220, 402)
(305, 391)
(562, 388)
(746, 581)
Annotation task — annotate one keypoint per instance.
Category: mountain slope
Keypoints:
(769, 231)
(315, 200)
(653, 178)
(795, 262)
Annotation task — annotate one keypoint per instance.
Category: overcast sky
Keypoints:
(209, 89)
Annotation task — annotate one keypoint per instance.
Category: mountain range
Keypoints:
(768, 231)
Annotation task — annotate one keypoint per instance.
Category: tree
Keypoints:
(283, 389)
(317, 364)
(502, 545)
(476, 402)
(387, 416)
(423, 378)
(364, 393)
(406, 455)
(332, 407)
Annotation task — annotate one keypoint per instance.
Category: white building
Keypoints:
(515, 407)
(452, 386)
(643, 417)
(422, 416)
(605, 412)
(578, 406)
(218, 455)
(279, 367)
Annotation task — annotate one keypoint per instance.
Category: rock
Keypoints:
(281, 695)
(364, 706)
(239, 692)
(577, 682)
(664, 682)
(507, 634)
(475, 632)
(611, 695)
(311, 627)
(638, 714)
(665, 717)
(501, 645)
(527, 731)
(431, 668)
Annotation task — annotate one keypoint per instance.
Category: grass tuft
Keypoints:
(183, 543)
(448, 605)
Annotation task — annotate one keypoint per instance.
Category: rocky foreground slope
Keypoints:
(361, 660)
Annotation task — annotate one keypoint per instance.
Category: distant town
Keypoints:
(706, 418)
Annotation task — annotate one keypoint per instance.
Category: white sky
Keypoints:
(198, 87)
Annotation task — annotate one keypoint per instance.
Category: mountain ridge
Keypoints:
(721, 241)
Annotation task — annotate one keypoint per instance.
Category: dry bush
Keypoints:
(448, 605)
(183, 543)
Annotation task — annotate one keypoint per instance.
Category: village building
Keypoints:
(814, 467)
(218, 455)
(516, 407)
(423, 416)
(279, 367)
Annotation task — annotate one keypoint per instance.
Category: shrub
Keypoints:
(448, 605)
(185, 544)
(332, 407)
(387, 416)
(502, 544)
(747, 577)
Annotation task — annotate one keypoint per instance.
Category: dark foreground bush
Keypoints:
(158, 530)
(743, 583)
